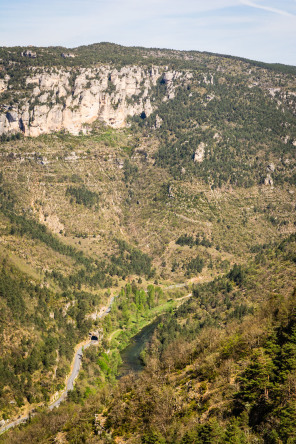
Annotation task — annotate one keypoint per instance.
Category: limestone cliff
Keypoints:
(70, 99)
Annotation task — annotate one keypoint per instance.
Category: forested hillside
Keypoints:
(163, 181)
(218, 369)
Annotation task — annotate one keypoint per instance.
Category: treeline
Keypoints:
(94, 276)
(127, 261)
(24, 226)
(21, 225)
(105, 52)
(8, 138)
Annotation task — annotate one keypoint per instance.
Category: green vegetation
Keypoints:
(82, 196)
(221, 367)
(195, 265)
(131, 261)
(59, 318)
(198, 197)
(21, 225)
(233, 122)
(118, 55)
(26, 306)
(132, 309)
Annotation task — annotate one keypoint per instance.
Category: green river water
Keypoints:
(130, 356)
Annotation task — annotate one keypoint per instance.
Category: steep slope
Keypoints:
(219, 369)
(124, 165)
(54, 100)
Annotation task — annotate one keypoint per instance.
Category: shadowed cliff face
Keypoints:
(70, 99)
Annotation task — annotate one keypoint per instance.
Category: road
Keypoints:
(13, 424)
(74, 372)
(175, 286)
(73, 375)
(76, 364)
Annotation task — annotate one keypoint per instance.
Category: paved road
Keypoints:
(77, 363)
(74, 372)
(73, 375)
(70, 380)
(13, 424)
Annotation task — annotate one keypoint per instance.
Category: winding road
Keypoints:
(76, 364)
(77, 361)
(73, 375)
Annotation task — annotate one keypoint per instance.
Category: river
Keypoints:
(131, 361)
(130, 356)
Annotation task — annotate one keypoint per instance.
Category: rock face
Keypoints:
(268, 180)
(199, 153)
(67, 55)
(2, 85)
(158, 121)
(29, 53)
(271, 167)
(52, 222)
(67, 99)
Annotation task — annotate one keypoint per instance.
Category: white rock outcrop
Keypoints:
(158, 122)
(271, 167)
(199, 154)
(67, 99)
(268, 180)
(29, 53)
(3, 85)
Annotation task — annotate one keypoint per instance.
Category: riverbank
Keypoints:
(131, 354)
(59, 397)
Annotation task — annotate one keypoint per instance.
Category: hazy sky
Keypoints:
(260, 29)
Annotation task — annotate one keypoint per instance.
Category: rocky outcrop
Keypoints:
(170, 79)
(29, 53)
(199, 153)
(268, 180)
(3, 85)
(67, 55)
(158, 122)
(69, 99)
(52, 222)
(271, 167)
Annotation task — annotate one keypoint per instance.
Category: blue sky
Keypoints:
(260, 29)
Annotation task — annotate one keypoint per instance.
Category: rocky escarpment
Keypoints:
(70, 99)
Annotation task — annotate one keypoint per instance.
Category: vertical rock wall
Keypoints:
(70, 99)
